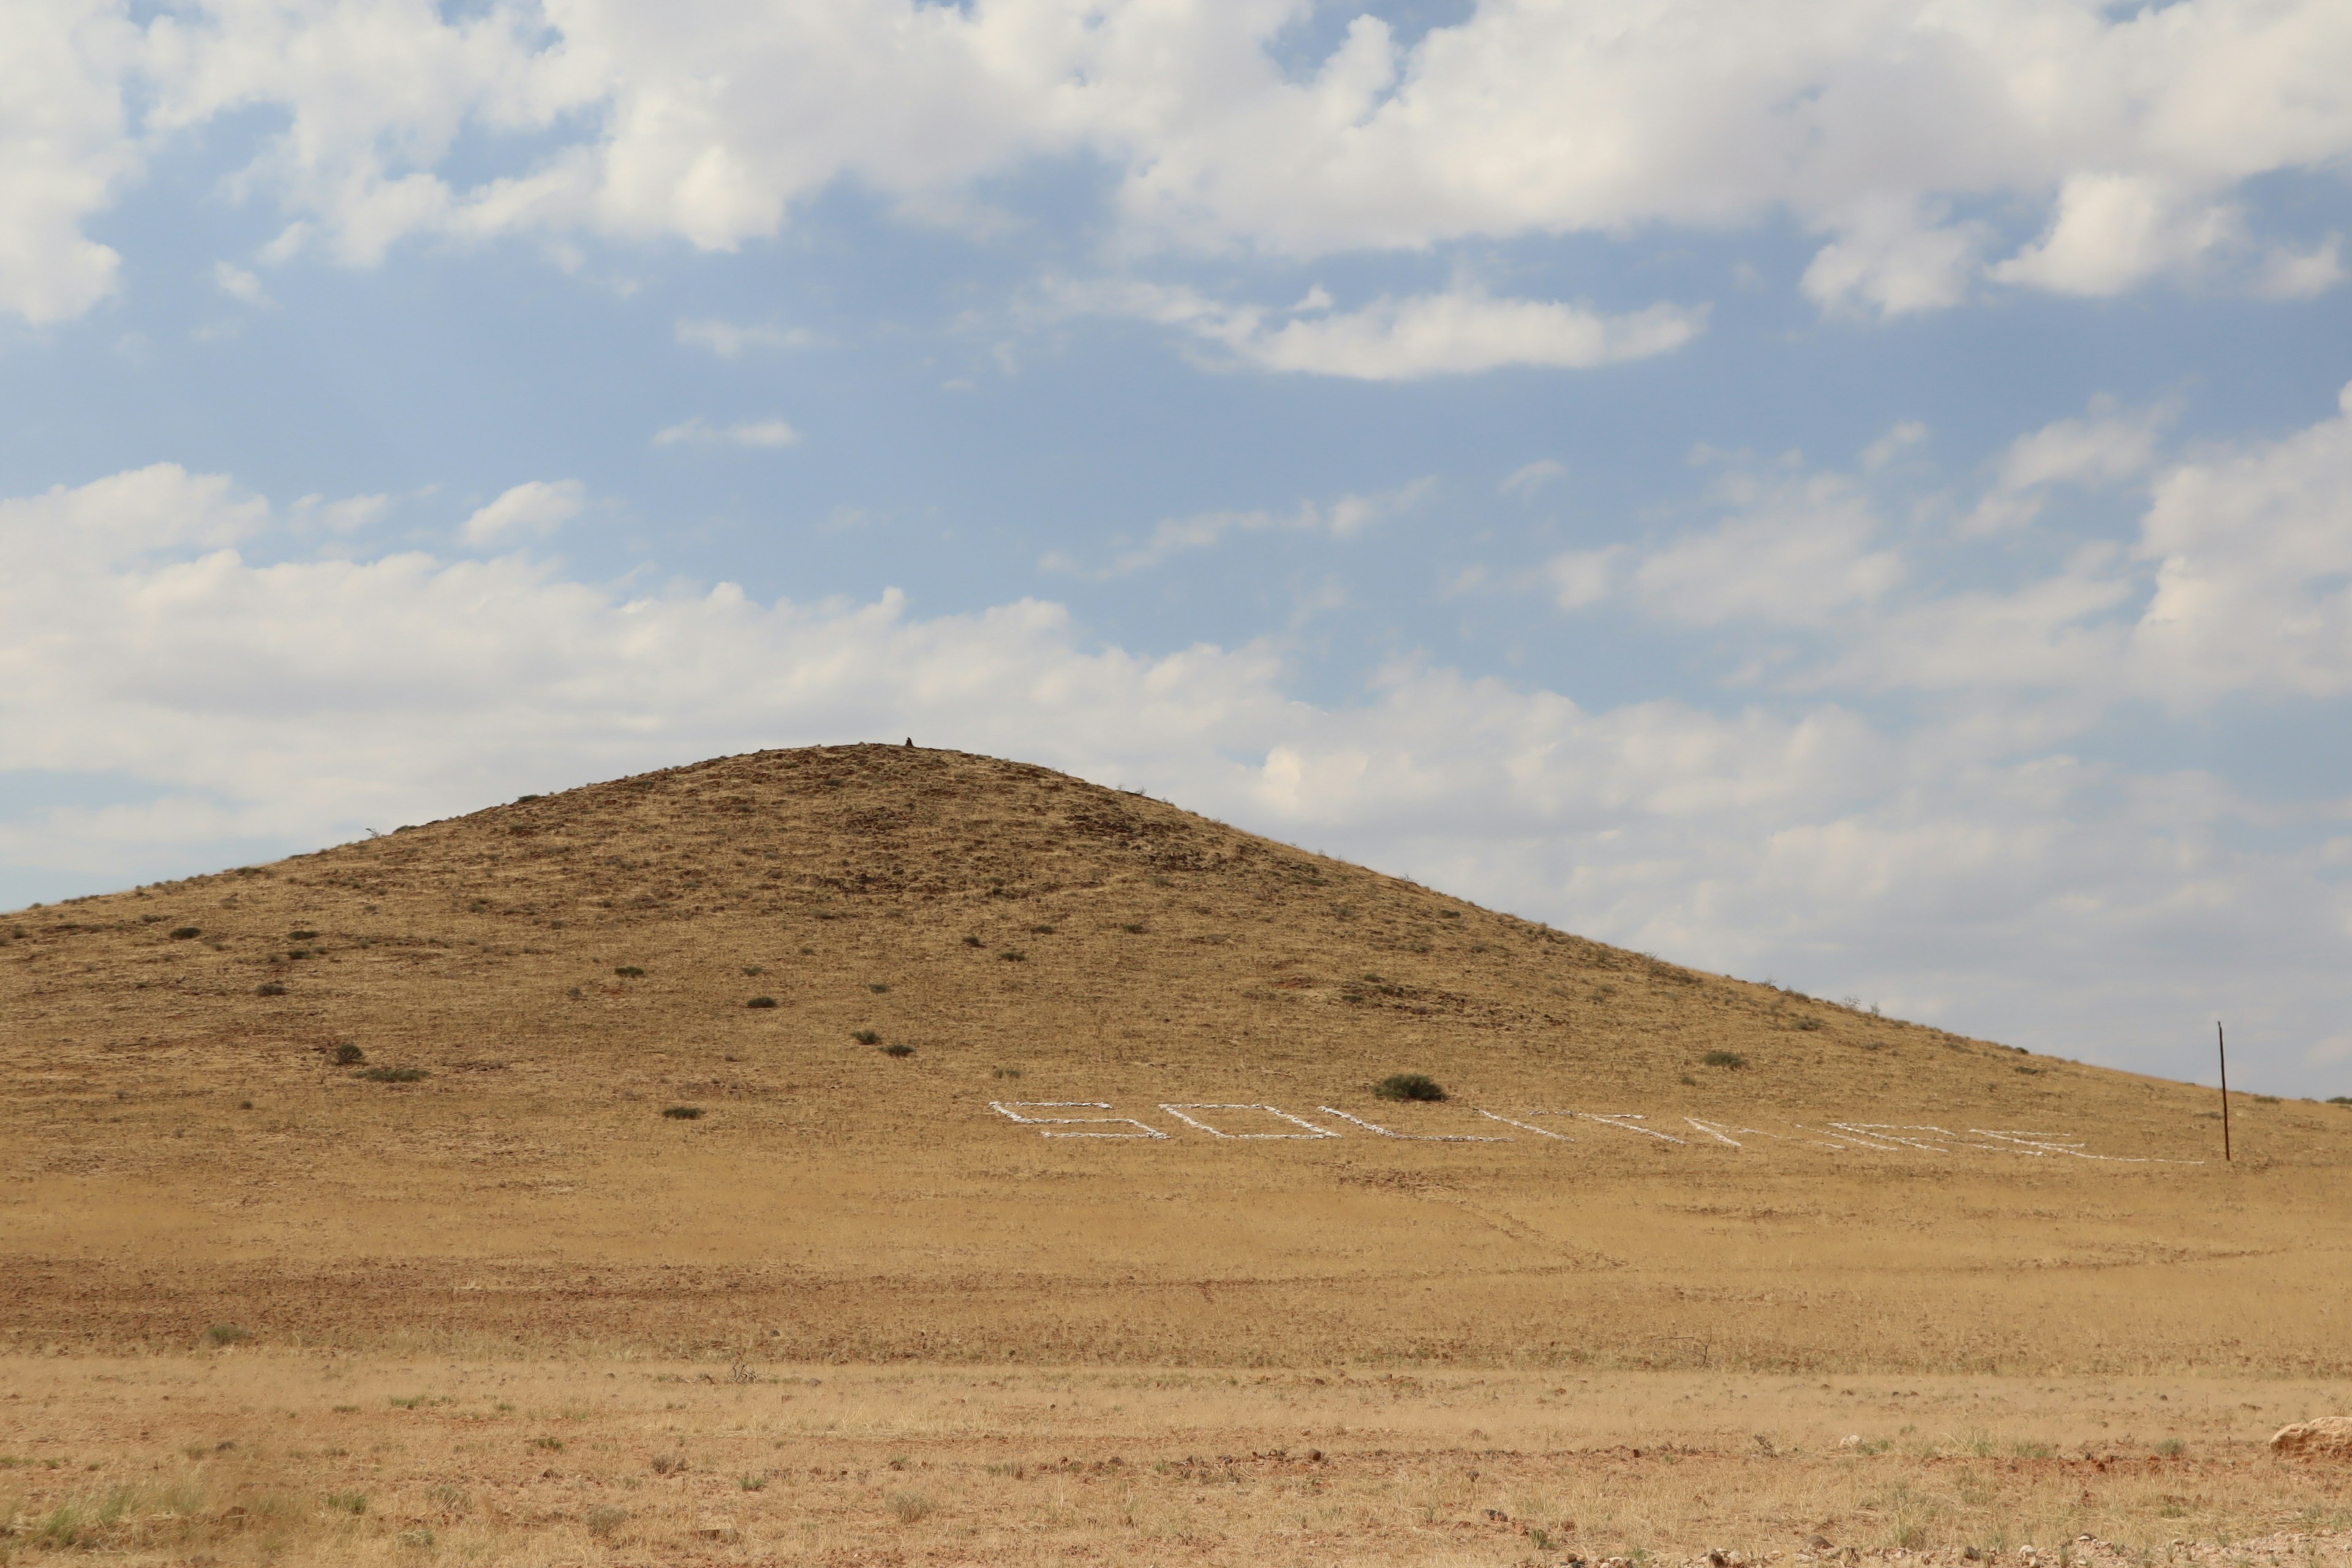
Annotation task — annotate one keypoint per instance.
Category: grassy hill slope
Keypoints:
(417, 1086)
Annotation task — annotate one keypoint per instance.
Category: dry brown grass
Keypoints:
(246, 1457)
(188, 1173)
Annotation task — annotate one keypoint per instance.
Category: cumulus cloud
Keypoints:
(1347, 517)
(1525, 480)
(700, 432)
(2239, 582)
(2138, 133)
(239, 284)
(1400, 340)
(727, 340)
(536, 508)
(2108, 448)
(66, 148)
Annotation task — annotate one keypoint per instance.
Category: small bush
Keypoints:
(245, 1105)
(973, 941)
(348, 1503)
(269, 988)
(1013, 955)
(1133, 928)
(629, 972)
(348, 1055)
(898, 1048)
(761, 1002)
(1723, 1059)
(683, 1113)
(184, 932)
(552, 1444)
(227, 1334)
(670, 1463)
(1408, 1086)
(1041, 931)
(909, 1507)
(755, 970)
(866, 1037)
(396, 1075)
(301, 936)
(420, 1537)
(1008, 1072)
(878, 987)
(2339, 1100)
(752, 1483)
(604, 1521)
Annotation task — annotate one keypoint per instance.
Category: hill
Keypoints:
(876, 1051)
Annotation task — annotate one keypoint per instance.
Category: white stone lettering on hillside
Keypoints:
(1312, 1131)
(1049, 1124)
(1898, 1138)
(1411, 1137)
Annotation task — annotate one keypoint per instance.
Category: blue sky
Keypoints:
(1856, 495)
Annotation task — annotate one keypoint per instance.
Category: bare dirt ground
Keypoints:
(992, 1128)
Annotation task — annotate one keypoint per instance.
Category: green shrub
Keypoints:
(973, 941)
(396, 1075)
(269, 988)
(898, 1048)
(301, 936)
(184, 932)
(227, 1334)
(878, 987)
(348, 1503)
(683, 1113)
(348, 1055)
(909, 1507)
(866, 1037)
(1408, 1086)
(670, 1463)
(1013, 955)
(1723, 1059)
(761, 1002)
(605, 1520)
(1133, 928)
(629, 972)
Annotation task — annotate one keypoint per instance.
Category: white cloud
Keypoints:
(727, 340)
(2113, 231)
(1935, 868)
(239, 284)
(2290, 274)
(537, 507)
(1793, 553)
(712, 120)
(2097, 453)
(700, 432)
(65, 149)
(1891, 260)
(1525, 481)
(1898, 440)
(2252, 555)
(1346, 518)
(1400, 340)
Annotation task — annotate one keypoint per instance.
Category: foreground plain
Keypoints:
(239, 1456)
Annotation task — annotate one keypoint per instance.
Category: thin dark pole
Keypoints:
(2221, 1045)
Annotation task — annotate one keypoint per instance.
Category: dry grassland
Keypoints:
(391, 1120)
(270, 1457)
